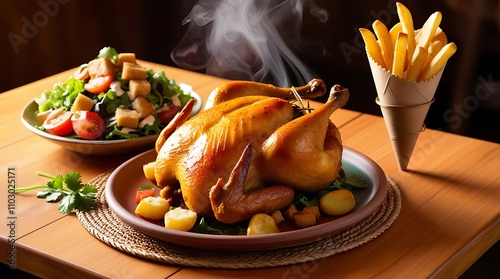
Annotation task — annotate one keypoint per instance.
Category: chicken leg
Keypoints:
(233, 89)
(231, 204)
(306, 153)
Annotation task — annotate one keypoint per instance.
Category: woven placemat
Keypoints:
(103, 224)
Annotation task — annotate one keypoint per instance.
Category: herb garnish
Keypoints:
(68, 190)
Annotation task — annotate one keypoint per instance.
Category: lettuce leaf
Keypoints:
(62, 95)
(109, 52)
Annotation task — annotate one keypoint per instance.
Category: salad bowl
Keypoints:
(94, 147)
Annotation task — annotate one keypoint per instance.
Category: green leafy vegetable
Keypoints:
(109, 52)
(145, 187)
(164, 91)
(62, 95)
(116, 133)
(302, 200)
(112, 101)
(212, 226)
(113, 132)
(152, 129)
(68, 190)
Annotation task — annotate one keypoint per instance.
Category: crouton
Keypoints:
(127, 118)
(143, 107)
(304, 219)
(101, 67)
(41, 116)
(138, 88)
(125, 57)
(278, 217)
(313, 209)
(82, 102)
(290, 211)
(133, 71)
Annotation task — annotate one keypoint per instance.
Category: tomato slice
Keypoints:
(144, 192)
(165, 115)
(87, 124)
(98, 85)
(59, 122)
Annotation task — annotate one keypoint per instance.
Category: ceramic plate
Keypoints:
(124, 181)
(95, 147)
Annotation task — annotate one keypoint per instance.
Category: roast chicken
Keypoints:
(249, 150)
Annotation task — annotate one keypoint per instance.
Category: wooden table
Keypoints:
(449, 216)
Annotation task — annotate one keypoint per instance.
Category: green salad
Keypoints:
(111, 97)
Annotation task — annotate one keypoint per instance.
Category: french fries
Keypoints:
(434, 48)
(407, 24)
(385, 42)
(414, 55)
(372, 47)
(417, 64)
(398, 66)
(438, 61)
(394, 32)
(440, 37)
(428, 30)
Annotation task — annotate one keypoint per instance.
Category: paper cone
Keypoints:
(404, 125)
(404, 105)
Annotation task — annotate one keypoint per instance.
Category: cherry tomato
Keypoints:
(87, 124)
(144, 192)
(82, 73)
(98, 85)
(165, 115)
(59, 122)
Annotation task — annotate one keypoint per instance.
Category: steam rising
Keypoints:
(241, 39)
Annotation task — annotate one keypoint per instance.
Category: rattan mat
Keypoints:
(103, 224)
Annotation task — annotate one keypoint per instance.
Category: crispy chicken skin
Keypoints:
(249, 153)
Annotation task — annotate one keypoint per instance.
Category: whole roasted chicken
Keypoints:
(249, 150)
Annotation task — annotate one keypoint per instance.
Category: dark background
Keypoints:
(71, 32)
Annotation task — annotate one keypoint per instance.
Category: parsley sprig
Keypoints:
(68, 190)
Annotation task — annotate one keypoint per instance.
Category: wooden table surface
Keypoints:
(449, 215)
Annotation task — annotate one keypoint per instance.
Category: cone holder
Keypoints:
(404, 105)
(404, 124)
